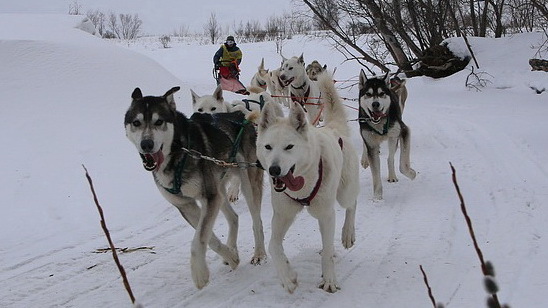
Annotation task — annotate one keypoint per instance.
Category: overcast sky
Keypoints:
(162, 16)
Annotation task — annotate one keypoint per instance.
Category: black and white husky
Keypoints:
(380, 117)
(161, 133)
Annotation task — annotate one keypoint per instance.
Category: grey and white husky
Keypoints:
(380, 117)
(310, 168)
(161, 133)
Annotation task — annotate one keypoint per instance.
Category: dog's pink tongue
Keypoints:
(293, 183)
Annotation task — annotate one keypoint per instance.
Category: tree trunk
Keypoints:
(389, 38)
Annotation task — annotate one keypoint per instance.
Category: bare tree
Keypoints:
(212, 28)
(130, 26)
(75, 8)
(97, 18)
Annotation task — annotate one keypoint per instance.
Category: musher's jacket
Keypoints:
(225, 55)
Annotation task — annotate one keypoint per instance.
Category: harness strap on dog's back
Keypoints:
(236, 144)
(177, 177)
(306, 201)
(247, 101)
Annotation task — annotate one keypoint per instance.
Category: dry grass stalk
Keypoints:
(107, 233)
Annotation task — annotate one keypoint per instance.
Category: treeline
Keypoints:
(412, 30)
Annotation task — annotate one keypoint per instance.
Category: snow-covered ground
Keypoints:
(64, 96)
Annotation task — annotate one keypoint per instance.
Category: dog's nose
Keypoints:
(274, 170)
(375, 105)
(147, 145)
(282, 77)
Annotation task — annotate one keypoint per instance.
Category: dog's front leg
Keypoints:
(365, 160)
(198, 265)
(392, 147)
(283, 217)
(405, 155)
(191, 213)
(375, 163)
(327, 230)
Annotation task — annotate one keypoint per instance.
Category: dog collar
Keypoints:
(306, 201)
(301, 87)
(384, 128)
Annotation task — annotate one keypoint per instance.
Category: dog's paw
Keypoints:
(410, 173)
(289, 283)
(392, 179)
(232, 193)
(329, 286)
(348, 237)
(258, 259)
(233, 259)
(365, 162)
(200, 273)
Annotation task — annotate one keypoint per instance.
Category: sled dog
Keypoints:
(277, 88)
(215, 103)
(310, 168)
(255, 101)
(260, 77)
(314, 69)
(302, 90)
(161, 133)
(380, 120)
(398, 86)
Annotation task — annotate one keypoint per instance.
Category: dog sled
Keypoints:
(229, 78)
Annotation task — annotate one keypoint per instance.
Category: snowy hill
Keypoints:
(64, 96)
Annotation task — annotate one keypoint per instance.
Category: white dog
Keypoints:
(301, 88)
(260, 79)
(310, 168)
(279, 91)
(215, 103)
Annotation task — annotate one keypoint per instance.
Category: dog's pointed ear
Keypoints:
(137, 94)
(283, 60)
(169, 97)
(301, 59)
(386, 78)
(363, 79)
(195, 97)
(261, 67)
(324, 67)
(218, 94)
(297, 118)
(269, 115)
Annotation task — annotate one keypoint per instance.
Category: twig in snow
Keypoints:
(486, 267)
(107, 233)
(429, 289)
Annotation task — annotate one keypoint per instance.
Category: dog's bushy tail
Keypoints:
(334, 111)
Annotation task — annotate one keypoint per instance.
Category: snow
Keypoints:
(65, 93)
(165, 16)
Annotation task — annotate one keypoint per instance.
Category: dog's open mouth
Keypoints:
(288, 181)
(288, 81)
(376, 116)
(152, 161)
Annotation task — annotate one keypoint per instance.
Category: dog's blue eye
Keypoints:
(136, 123)
(158, 122)
(268, 147)
(289, 147)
